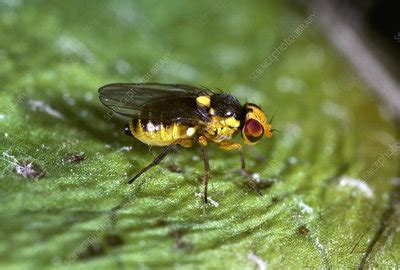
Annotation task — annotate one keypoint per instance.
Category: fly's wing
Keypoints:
(153, 101)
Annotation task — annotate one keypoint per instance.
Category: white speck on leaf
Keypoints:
(358, 184)
(40, 105)
(320, 246)
(9, 158)
(126, 148)
(261, 264)
(305, 208)
(26, 169)
(211, 201)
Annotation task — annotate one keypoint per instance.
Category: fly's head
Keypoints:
(255, 125)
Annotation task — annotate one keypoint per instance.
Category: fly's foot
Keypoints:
(257, 183)
(251, 181)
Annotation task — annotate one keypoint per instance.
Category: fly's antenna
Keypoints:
(270, 123)
(272, 118)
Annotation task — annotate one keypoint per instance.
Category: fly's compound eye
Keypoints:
(127, 130)
(253, 130)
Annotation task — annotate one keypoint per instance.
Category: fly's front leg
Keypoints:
(237, 146)
(203, 144)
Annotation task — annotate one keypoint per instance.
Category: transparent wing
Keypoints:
(153, 101)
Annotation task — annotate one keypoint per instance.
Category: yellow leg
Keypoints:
(230, 146)
(186, 142)
(203, 144)
(237, 146)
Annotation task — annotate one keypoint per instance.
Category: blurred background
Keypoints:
(329, 72)
(367, 33)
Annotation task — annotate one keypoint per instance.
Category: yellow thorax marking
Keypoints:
(222, 128)
(204, 100)
(232, 122)
(220, 122)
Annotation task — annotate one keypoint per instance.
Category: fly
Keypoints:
(177, 114)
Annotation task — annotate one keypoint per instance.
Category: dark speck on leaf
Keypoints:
(161, 222)
(179, 242)
(303, 230)
(75, 157)
(113, 240)
(200, 178)
(176, 168)
(29, 169)
(92, 250)
(274, 199)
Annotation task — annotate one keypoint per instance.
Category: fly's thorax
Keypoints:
(222, 112)
(221, 128)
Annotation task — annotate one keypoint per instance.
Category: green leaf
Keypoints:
(333, 201)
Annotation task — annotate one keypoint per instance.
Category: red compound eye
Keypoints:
(253, 130)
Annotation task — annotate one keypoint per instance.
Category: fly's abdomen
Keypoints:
(160, 134)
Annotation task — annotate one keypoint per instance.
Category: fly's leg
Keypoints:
(157, 160)
(236, 146)
(203, 144)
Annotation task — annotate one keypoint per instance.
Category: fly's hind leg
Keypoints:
(237, 146)
(160, 157)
